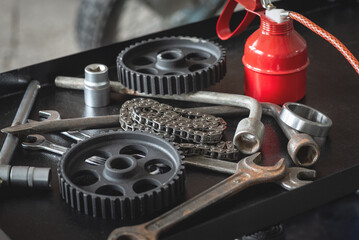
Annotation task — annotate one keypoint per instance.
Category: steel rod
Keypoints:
(21, 116)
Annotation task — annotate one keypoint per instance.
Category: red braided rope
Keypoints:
(327, 36)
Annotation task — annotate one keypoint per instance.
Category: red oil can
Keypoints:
(275, 56)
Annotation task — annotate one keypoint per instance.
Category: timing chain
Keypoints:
(194, 133)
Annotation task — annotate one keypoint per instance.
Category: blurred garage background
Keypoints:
(33, 31)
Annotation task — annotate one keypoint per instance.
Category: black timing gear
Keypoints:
(142, 175)
(171, 65)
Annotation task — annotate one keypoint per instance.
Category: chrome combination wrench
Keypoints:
(245, 174)
(248, 173)
(39, 142)
(55, 115)
(295, 176)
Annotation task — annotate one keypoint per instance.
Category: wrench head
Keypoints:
(49, 114)
(297, 177)
(33, 142)
(138, 232)
(250, 166)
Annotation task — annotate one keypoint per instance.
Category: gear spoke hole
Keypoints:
(97, 157)
(158, 166)
(170, 55)
(145, 185)
(84, 178)
(197, 67)
(110, 190)
(144, 60)
(198, 56)
(136, 151)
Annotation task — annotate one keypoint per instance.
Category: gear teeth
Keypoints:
(123, 208)
(159, 84)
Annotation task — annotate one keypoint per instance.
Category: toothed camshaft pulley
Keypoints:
(172, 65)
(143, 174)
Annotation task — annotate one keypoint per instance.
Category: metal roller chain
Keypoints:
(194, 133)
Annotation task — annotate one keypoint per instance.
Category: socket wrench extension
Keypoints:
(23, 176)
(97, 86)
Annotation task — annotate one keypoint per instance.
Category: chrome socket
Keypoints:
(25, 176)
(96, 85)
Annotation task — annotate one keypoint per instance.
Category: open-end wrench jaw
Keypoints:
(39, 142)
(297, 177)
(250, 167)
(33, 142)
(49, 114)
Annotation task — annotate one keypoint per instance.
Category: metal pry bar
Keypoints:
(64, 125)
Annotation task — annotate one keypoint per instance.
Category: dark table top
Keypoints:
(332, 87)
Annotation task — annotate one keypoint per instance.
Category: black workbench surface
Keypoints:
(332, 87)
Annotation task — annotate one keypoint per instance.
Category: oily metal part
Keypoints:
(192, 132)
(142, 174)
(302, 148)
(171, 65)
(248, 174)
(249, 133)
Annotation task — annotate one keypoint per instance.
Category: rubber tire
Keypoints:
(96, 23)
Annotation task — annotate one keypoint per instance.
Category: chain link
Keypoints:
(194, 133)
